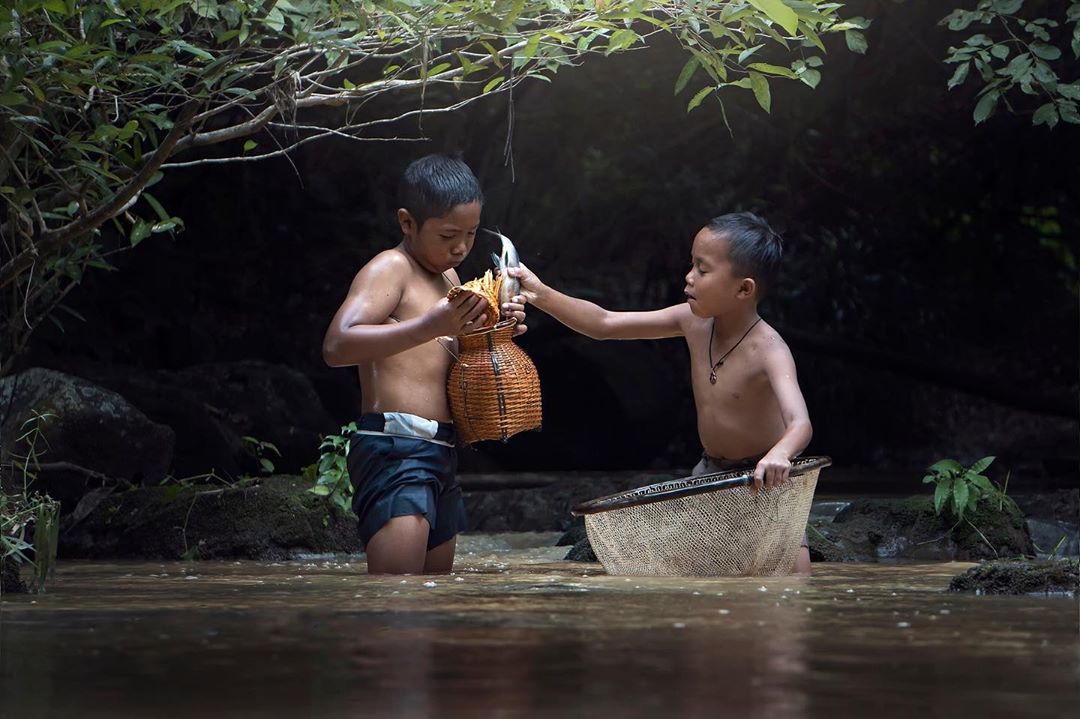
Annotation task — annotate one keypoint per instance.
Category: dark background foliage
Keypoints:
(928, 290)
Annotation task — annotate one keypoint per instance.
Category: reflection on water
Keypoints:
(516, 632)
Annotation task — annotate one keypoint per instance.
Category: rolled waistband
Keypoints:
(402, 424)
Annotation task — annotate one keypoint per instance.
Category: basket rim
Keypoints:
(688, 486)
(500, 325)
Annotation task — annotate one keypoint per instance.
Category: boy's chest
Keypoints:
(737, 377)
(420, 295)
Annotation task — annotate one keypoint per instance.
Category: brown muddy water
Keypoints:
(516, 632)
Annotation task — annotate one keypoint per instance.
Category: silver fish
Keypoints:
(508, 258)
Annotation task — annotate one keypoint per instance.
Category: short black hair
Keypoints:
(436, 184)
(754, 249)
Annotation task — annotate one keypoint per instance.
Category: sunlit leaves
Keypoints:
(1014, 51)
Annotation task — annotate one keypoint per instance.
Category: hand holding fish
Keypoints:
(529, 284)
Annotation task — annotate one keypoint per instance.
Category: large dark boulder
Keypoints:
(88, 436)
(908, 528)
(1020, 577)
(212, 407)
(271, 518)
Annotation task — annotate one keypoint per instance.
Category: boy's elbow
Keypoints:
(331, 351)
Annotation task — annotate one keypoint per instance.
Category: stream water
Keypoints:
(516, 632)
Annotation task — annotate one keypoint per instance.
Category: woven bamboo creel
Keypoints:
(494, 388)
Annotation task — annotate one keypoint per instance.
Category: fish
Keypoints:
(510, 286)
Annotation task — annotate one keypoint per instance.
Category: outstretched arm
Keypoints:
(775, 466)
(594, 321)
(358, 333)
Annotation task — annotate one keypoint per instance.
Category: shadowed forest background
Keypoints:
(929, 288)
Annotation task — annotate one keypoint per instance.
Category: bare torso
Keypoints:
(413, 381)
(739, 417)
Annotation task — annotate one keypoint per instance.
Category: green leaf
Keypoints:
(1000, 51)
(959, 75)
(856, 41)
(492, 84)
(745, 54)
(760, 85)
(960, 498)
(773, 69)
(983, 482)
(250, 145)
(1069, 112)
(1007, 7)
(321, 489)
(946, 466)
(698, 98)
(139, 232)
(688, 71)
(531, 46)
(152, 201)
(10, 99)
(941, 494)
(985, 107)
(267, 465)
(810, 76)
(1071, 91)
(980, 465)
(779, 13)
(929, 478)
(1046, 115)
(1046, 52)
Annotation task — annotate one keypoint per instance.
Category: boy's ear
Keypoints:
(747, 288)
(406, 222)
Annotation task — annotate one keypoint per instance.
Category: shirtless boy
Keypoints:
(750, 410)
(397, 327)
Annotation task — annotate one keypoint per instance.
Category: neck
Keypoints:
(405, 250)
(735, 323)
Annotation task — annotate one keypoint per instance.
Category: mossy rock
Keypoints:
(908, 528)
(268, 518)
(1020, 576)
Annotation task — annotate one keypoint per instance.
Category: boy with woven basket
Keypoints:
(397, 327)
(750, 410)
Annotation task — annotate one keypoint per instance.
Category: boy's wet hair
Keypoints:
(435, 184)
(754, 249)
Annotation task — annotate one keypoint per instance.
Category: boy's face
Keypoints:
(441, 243)
(712, 287)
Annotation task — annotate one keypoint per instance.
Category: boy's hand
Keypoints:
(516, 308)
(531, 285)
(450, 318)
(772, 470)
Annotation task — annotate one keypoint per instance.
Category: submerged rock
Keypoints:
(269, 518)
(1020, 576)
(582, 551)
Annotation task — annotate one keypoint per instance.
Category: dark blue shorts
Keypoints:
(397, 469)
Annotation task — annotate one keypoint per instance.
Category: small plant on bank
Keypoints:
(960, 489)
(260, 451)
(331, 473)
(23, 509)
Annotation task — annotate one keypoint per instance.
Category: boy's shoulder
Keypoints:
(769, 344)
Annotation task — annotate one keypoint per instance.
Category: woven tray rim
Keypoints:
(688, 486)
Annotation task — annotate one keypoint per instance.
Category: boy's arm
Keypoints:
(775, 466)
(357, 333)
(593, 320)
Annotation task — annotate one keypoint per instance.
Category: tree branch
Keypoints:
(52, 239)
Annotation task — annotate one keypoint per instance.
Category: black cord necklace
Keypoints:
(712, 335)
